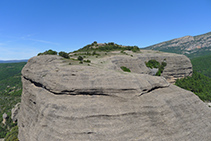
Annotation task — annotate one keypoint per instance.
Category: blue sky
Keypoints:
(28, 27)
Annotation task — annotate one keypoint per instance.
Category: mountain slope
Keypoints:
(10, 92)
(191, 46)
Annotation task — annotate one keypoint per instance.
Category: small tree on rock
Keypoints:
(64, 54)
(80, 58)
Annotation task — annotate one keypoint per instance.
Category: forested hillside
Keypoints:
(198, 84)
(10, 92)
(202, 65)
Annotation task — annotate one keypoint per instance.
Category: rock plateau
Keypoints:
(63, 101)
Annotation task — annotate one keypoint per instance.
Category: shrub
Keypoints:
(111, 46)
(111, 43)
(48, 52)
(94, 53)
(152, 64)
(94, 43)
(87, 61)
(64, 54)
(155, 64)
(135, 49)
(80, 58)
(125, 69)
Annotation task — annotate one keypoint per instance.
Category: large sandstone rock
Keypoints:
(178, 66)
(101, 102)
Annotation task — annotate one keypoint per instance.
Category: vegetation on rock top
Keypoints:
(48, 52)
(155, 64)
(107, 47)
(125, 69)
(51, 52)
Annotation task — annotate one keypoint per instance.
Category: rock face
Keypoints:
(178, 66)
(62, 102)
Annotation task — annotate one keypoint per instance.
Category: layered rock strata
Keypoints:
(62, 102)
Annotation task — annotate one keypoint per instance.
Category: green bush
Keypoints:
(94, 53)
(155, 64)
(87, 61)
(48, 52)
(125, 69)
(135, 49)
(80, 58)
(152, 64)
(64, 54)
(107, 47)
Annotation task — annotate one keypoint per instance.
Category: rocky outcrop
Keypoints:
(14, 112)
(4, 116)
(178, 66)
(62, 102)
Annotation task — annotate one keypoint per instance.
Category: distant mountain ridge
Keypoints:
(191, 46)
(13, 61)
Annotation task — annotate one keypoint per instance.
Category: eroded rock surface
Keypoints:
(62, 102)
(14, 112)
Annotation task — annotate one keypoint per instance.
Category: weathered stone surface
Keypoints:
(101, 102)
(4, 116)
(178, 66)
(14, 112)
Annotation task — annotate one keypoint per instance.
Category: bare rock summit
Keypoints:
(63, 100)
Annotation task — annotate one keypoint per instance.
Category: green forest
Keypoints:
(198, 84)
(202, 65)
(10, 92)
